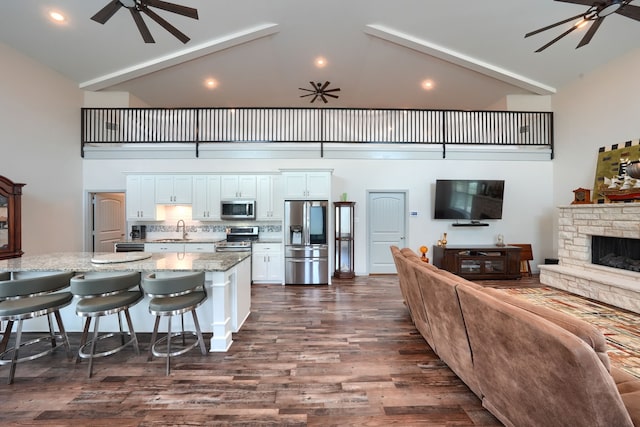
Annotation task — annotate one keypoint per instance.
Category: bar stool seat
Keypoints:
(27, 295)
(174, 294)
(102, 294)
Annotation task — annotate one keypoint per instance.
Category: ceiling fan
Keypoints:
(598, 10)
(137, 6)
(320, 91)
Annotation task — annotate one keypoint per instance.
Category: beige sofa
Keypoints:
(530, 365)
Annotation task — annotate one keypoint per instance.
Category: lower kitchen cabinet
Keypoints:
(267, 263)
(179, 247)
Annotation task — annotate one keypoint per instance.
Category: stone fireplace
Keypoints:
(585, 232)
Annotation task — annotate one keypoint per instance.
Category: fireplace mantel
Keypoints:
(575, 272)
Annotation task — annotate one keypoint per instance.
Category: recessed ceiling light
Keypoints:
(427, 84)
(211, 83)
(320, 62)
(56, 16)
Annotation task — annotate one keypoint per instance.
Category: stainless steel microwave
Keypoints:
(238, 209)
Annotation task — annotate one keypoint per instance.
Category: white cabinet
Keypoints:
(269, 201)
(307, 185)
(206, 198)
(197, 247)
(237, 187)
(267, 263)
(140, 199)
(173, 189)
(164, 247)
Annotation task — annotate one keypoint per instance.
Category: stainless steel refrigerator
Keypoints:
(306, 248)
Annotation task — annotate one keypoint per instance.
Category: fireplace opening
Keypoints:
(616, 252)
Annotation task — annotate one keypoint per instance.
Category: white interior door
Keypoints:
(109, 221)
(386, 226)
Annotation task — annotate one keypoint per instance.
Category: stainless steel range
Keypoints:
(238, 239)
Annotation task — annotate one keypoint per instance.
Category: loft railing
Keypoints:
(315, 125)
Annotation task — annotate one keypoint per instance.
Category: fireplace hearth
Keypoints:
(616, 252)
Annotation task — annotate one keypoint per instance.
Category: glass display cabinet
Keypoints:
(344, 224)
(10, 219)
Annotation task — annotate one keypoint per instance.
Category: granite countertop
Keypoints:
(81, 262)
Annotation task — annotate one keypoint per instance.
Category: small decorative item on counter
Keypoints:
(343, 197)
(500, 240)
(423, 251)
(442, 242)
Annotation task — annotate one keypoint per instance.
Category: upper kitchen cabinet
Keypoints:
(174, 189)
(10, 219)
(311, 185)
(206, 198)
(269, 202)
(141, 199)
(237, 187)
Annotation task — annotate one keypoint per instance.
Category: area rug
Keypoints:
(620, 327)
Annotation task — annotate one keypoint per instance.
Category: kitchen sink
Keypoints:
(171, 240)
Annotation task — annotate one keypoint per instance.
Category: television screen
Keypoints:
(474, 199)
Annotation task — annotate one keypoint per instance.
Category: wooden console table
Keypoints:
(479, 261)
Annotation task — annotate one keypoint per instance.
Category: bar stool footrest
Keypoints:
(9, 351)
(182, 350)
(87, 355)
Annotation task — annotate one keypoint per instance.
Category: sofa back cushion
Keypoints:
(532, 372)
(578, 327)
(447, 325)
(414, 299)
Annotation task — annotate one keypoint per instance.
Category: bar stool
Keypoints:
(101, 294)
(171, 294)
(28, 295)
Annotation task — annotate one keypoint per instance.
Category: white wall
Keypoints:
(40, 146)
(527, 215)
(599, 109)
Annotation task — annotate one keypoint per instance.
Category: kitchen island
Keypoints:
(228, 286)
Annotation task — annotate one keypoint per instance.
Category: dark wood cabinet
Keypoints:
(479, 262)
(10, 219)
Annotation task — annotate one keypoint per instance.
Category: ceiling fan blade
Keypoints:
(573, 27)
(308, 90)
(314, 98)
(309, 94)
(629, 11)
(332, 90)
(324, 86)
(582, 2)
(142, 27)
(107, 12)
(323, 98)
(174, 8)
(590, 33)
(331, 95)
(548, 27)
(167, 26)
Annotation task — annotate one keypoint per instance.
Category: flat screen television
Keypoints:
(469, 199)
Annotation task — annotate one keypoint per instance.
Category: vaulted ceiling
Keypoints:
(260, 52)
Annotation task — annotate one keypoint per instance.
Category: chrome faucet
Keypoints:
(184, 228)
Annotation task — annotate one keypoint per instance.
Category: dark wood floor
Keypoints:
(319, 356)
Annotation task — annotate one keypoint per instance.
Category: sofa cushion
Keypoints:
(533, 372)
(413, 298)
(447, 325)
(584, 330)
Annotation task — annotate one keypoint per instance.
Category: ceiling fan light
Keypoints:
(609, 9)
(128, 3)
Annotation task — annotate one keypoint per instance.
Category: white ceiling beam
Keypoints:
(179, 57)
(457, 58)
